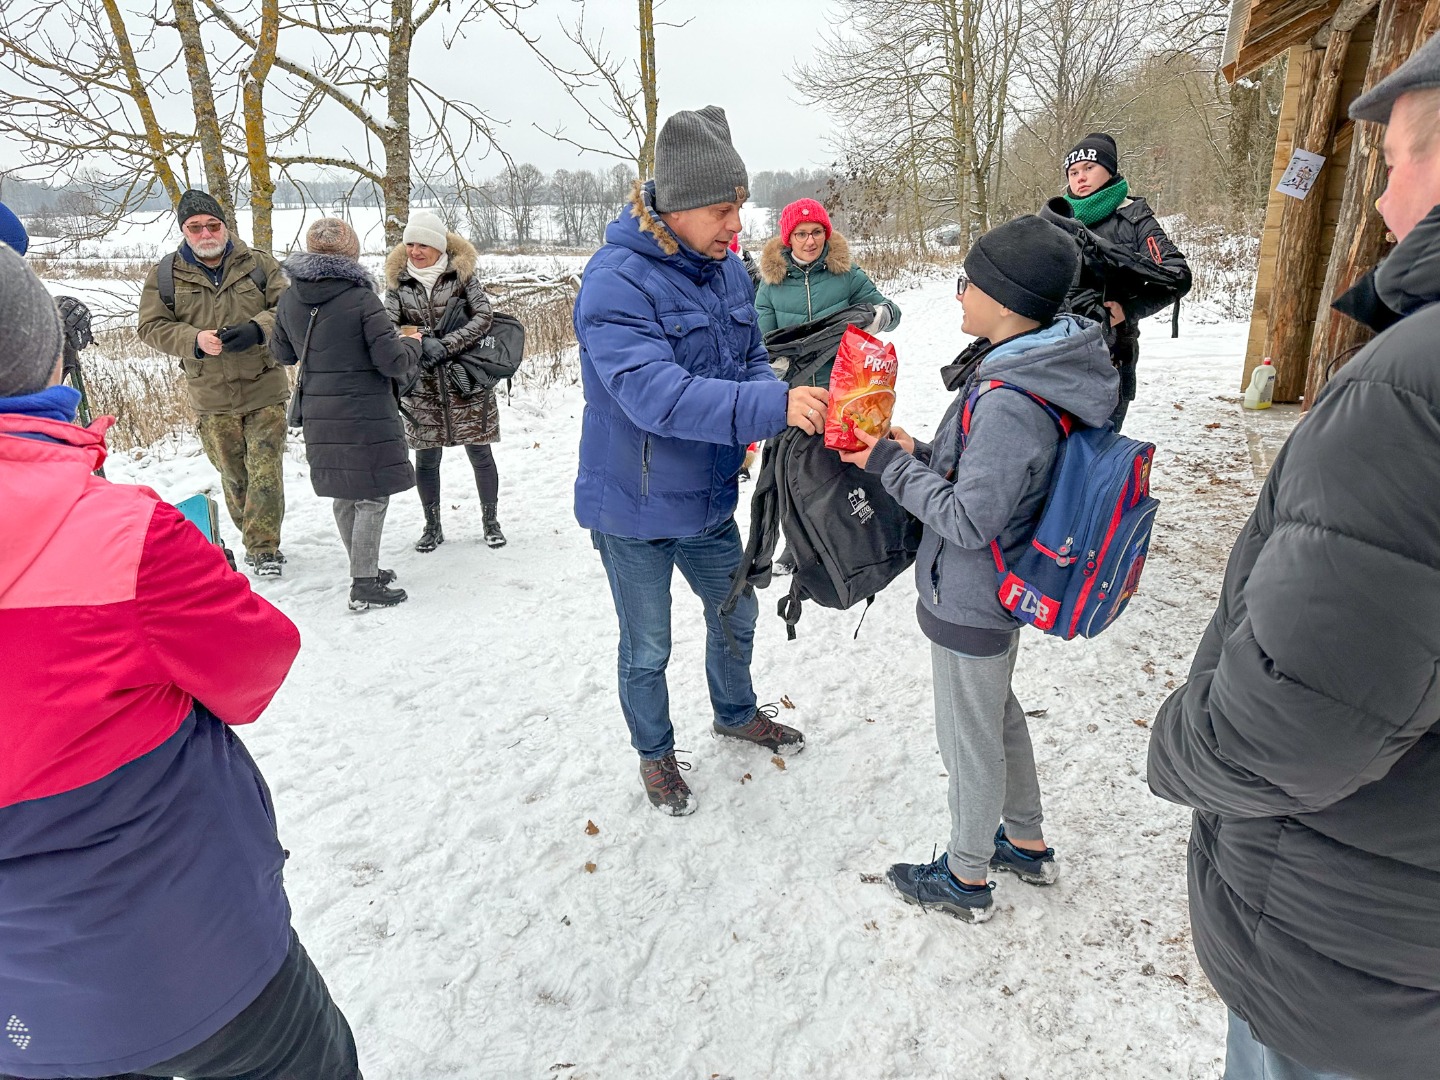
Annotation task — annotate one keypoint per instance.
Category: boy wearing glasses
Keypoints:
(206, 304)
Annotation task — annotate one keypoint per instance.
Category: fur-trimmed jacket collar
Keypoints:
(307, 266)
(642, 207)
(775, 258)
(463, 260)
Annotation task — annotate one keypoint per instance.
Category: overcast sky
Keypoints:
(737, 54)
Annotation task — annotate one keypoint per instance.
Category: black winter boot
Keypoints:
(367, 592)
(493, 536)
(433, 536)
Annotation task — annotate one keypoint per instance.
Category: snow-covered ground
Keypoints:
(435, 767)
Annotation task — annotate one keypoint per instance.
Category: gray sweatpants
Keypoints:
(985, 746)
(361, 522)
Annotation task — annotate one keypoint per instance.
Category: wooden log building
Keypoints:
(1313, 249)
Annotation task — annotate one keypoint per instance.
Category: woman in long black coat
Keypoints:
(352, 363)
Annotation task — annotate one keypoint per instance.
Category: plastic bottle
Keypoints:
(1262, 386)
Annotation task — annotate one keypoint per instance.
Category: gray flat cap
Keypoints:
(1420, 72)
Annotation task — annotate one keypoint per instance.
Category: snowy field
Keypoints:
(435, 768)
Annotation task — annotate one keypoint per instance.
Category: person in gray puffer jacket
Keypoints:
(1307, 738)
(1017, 276)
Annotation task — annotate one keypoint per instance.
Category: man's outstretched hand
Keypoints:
(806, 409)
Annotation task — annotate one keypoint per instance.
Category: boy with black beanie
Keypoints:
(1097, 197)
(1016, 279)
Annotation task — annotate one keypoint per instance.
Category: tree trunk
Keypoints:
(396, 136)
(648, 87)
(1292, 297)
(154, 135)
(257, 150)
(207, 120)
(1401, 27)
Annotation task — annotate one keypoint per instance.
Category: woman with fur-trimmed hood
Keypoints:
(331, 323)
(431, 283)
(807, 273)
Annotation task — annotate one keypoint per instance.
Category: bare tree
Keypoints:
(921, 88)
(621, 116)
(79, 97)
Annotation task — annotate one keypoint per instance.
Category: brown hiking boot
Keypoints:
(762, 730)
(665, 786)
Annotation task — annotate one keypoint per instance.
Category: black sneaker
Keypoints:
(1031, 867)
(279, 557)
(665, 787)
(368, 593)
(762, 730)
(931, 885)
(267, 563)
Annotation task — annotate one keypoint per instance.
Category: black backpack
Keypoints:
(1107, 269)
(848, 536)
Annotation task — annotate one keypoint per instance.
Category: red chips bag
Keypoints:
(862, 389)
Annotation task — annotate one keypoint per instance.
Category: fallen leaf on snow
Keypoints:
(746, 777)
(590, 868)
(785, 700)
(1148, 667)
(591, 829)
(872, 879)
(1142, 722)
(873, 924)
(1212, 427)
(1092, 728)
(1036, 714)
(1180, 979)
(778, 762)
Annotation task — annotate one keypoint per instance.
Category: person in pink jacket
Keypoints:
(144, 928)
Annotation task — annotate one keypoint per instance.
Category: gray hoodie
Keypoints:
(999, 485)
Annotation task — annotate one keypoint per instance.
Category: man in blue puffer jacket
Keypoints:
(677, 384)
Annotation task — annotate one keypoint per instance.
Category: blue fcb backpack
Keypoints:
(1084, 562)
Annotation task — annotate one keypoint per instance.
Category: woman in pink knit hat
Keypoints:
(807, 273)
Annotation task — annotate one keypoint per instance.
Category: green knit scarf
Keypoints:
(1098, 205)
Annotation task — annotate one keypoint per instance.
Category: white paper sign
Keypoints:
(1300, 174)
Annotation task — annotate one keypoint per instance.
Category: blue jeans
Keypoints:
(1246, 1058)
(640, 572)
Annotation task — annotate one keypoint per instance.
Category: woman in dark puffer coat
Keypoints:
(348, 401)
(431, 283)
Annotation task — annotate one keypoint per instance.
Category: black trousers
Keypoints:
(292, 1031)
(482, 461)
(1124, 354)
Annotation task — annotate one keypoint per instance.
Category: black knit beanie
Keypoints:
(1097, 147)
(1027, 265)
(195, 202)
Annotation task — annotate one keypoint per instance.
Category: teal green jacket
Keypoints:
(791, 294)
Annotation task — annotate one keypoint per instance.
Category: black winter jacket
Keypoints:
(1308, 736)
(353, 438)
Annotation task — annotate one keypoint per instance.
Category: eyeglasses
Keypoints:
(213, 227)
(809, 234)
(961, 284)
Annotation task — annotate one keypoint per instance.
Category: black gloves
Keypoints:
(432, 351)
(239, 338)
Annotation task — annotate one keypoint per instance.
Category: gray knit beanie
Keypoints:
(30, 335)
(696, 164)
(331, 236)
